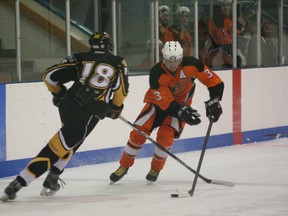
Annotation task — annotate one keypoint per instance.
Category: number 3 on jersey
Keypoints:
(209, 73)
(101, 74)
(158, 95)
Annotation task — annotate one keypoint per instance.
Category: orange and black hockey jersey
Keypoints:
(165, 34)
(183, 36)
(170, 91)
(97, 76)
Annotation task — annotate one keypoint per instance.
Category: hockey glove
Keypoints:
(189, 115)
(213, 109)
(57, 98)
(115, 111)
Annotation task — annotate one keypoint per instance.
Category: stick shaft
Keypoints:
(164, 149)
(191, 192)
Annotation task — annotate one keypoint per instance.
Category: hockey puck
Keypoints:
(174, 195)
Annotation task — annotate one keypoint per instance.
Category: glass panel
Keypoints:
(80, 18)
(7, 42)
(205, 10)
(43, 40)
(247, 25)
(43, 32)
(136, 30)
(269, 36)
(269, 33)
(85, 16)
(133, 32)
(285, 33)
(220, 30)
(180, 23)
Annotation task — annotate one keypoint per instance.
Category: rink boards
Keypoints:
(254, 109)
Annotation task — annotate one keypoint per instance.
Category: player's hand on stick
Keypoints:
(189, 115)
(115, 111)
(213, 109)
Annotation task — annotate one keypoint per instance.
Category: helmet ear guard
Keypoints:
(101, 41)
(172, 50)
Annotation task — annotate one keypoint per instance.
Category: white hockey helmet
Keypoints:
(164, 10)
(183, 10)
(172, 50)
(224, 1)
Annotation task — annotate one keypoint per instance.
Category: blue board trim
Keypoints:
(2, 122)
(13, 167)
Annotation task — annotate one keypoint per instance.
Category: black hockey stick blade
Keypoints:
(225, 183)
(183, 193)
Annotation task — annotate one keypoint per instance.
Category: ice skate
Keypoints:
(11, 190)
(51, 185)
(152, 176)
(118, 174)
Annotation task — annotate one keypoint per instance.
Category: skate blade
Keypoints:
(47, 192)
(4, 198)
(150, 182)
(183, 193)
(111, 182)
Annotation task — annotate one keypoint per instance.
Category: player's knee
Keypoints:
(136, 138)
(68, 155)
(47, 152)
(165, 136)
(57, 147)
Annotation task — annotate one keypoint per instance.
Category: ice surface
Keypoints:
(258, 170)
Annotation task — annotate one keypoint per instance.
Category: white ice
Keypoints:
(258, 170)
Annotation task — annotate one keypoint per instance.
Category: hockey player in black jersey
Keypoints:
(99, 89)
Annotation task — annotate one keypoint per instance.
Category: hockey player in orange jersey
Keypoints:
(164, 18)
(168, 106)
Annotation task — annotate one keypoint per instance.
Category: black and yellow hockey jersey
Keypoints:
(98, 78)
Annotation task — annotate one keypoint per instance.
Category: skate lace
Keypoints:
(153, 173)
(120, 171)
(62, 182)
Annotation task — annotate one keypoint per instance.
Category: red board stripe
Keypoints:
(237, 129)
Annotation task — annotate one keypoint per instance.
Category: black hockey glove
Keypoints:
(213, 109)
(115, 111)
(189, 115)
(57, 98)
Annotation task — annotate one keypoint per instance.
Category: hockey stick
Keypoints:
(191, 192)
(209, 181)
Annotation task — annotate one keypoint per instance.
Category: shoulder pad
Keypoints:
(125, 67)
(123, 62)
(155, 74)
(191, 61)
(68, 59)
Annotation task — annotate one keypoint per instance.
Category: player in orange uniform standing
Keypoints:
(164, 20)
(168, 106)
(220, 30)
(181, 30)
